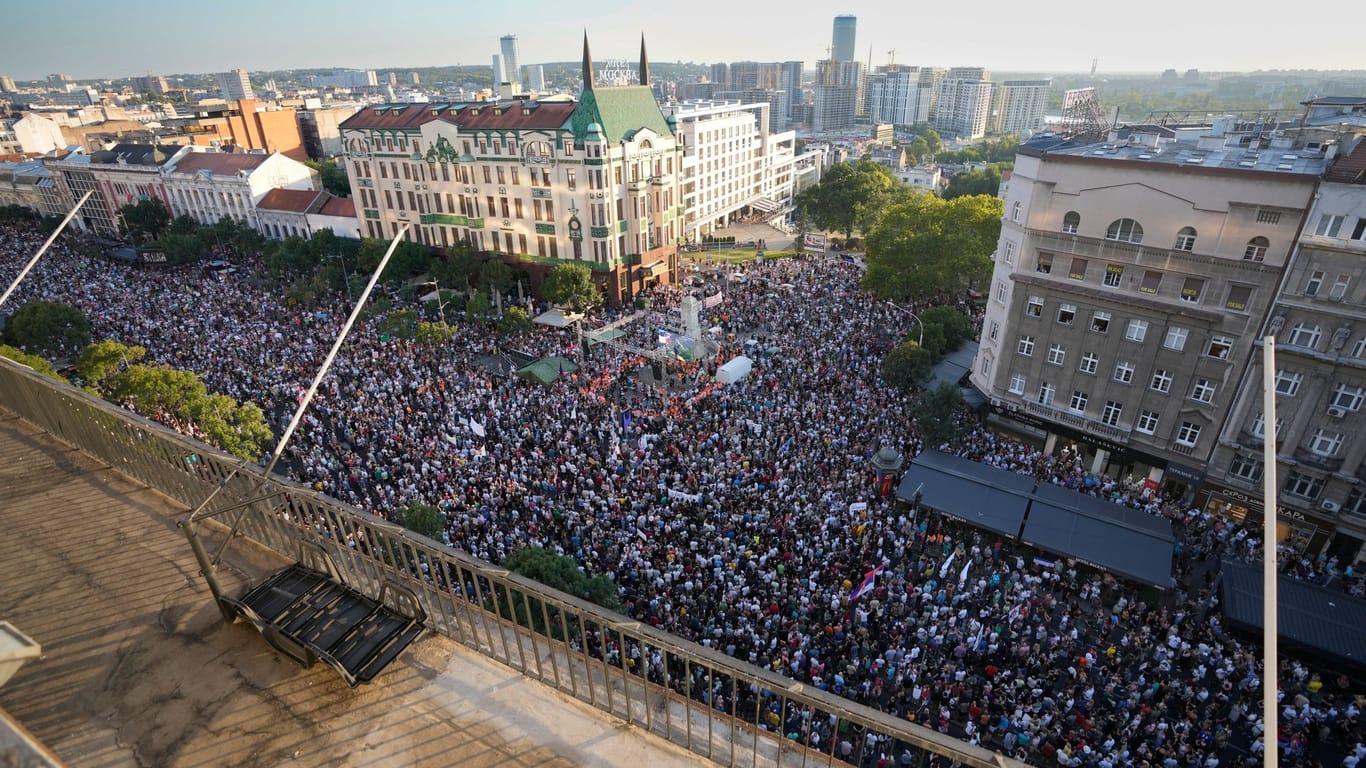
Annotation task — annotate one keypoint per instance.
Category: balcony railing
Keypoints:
(1328, 463)
(545, 634)
(1078, 421)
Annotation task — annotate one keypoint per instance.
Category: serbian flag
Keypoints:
(866, 585)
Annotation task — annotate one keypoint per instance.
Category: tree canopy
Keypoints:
(927, 247)
(333, 177)
(33, 361)
(850, 196)
(935, 413)
(167, 394)
(984, 182)
(422, 519)
(562, 572)
(47, 329)
(101, 360)
(571, 285)
(146, 219)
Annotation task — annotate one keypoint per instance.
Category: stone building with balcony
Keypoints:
(1320, 329)
(1131, 278)
(536, 183)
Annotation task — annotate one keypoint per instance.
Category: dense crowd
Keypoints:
(742, 517)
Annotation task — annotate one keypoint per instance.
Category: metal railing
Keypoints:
(726, 710)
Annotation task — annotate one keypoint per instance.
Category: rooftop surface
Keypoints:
(139, 669)
(1190, 155)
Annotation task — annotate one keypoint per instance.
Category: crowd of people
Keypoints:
(743, 517)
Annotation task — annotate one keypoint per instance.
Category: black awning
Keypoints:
(977, 494)
(1315, 621)
(1092, 506)
(1108, 544)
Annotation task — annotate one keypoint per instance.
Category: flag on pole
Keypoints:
(866, 585)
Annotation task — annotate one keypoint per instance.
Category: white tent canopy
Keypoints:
(736, 370)
(558, 318)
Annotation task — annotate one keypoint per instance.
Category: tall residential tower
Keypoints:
(842, 42)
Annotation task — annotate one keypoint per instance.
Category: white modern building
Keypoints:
(1019, 106)
(511, 62)
(922, 178)
(963, 104)
(731, 162)
(902, 95)
(235, 85)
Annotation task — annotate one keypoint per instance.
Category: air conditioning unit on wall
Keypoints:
(1331, 506)
(1336, 412)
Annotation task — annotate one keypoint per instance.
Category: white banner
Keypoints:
(693, 497)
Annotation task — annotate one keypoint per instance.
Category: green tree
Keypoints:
(184, 224)
(422, 519)
(571, 285)
(917, 150)
(101, 360)
(157, 391)
(181, 248)
(932, 140)
(146, 219)
(515, 320)
(333, 176)
(400, 323)
(434, 333)
(850, 196)
(479, 305)
(954, 327)
(457, 268)
(292, 255)
(33, 361)
(47, 329)
(927, 247)
(984, 182)
(935, 414)
(238, 428)
(563, 573)
(495, 275)
(906, 366)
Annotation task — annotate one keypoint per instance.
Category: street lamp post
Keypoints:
(440, 305)
(920, 340)
(346, 276)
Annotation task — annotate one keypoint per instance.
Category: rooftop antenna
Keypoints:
(891, 57)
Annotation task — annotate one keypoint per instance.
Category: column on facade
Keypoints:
(1309, 394)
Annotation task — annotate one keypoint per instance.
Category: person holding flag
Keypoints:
(867, 584)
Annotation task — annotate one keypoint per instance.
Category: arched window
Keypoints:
(1256, 249)
(538, 152)
(1125, 231)
(1305, 335)
(1070, 221)
(645, 144)
(1185, 239)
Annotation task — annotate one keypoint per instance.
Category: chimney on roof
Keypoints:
(644, 62)
(587, 64)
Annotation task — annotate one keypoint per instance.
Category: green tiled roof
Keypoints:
(621, 111)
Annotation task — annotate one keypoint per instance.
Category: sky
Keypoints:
(88, 39)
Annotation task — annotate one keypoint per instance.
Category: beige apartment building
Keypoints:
(1131, 279)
